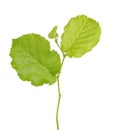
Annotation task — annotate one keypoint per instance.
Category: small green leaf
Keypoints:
(53, 33)
(80, 35)
(33, 59)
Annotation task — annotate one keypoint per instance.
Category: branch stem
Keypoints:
(59, 94)
(59, 97)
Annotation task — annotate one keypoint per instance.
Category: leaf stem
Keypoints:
(59, 94)
(56, 41)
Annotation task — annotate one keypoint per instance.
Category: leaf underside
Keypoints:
(80, 35)
(33, 60)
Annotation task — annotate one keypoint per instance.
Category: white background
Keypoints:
(86, 83)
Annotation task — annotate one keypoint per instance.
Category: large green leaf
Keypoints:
(80, 35)
(33, 59)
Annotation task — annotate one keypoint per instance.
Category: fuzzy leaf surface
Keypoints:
(33, 60)
(80, 35)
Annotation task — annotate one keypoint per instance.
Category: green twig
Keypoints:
(59, 95)
(58, 83)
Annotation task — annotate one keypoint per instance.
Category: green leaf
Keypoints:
(33, 59)
(80, 35)
(53, 33)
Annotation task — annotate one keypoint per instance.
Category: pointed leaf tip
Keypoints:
(53, 33)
